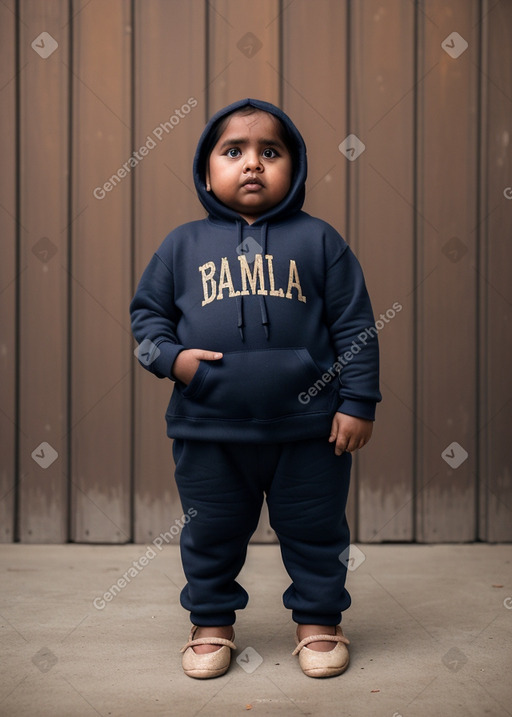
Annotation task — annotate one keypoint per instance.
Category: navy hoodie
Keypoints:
(284, 300)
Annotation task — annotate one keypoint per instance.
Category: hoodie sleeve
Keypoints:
(352, 328)
(154, 318)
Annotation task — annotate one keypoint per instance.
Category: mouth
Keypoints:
(252, 182)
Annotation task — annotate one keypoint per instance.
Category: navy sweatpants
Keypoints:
(306, 487)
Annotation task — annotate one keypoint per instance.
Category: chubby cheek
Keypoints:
(283, 187)
(282, 178)
(224, 181)
(226, 188)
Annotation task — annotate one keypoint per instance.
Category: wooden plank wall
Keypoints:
(494, 284)
(8, 272)
(42, 281)
(381, 229)
(446, 297)
(100, 276)
(427, 207)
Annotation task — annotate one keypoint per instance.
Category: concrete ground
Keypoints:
(430, 626)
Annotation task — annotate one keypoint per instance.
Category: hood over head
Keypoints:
(292, 202)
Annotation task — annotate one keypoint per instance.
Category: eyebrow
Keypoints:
(241, 140)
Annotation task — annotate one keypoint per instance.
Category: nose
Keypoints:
(252, 162)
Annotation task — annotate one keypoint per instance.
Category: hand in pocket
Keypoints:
(187, 363)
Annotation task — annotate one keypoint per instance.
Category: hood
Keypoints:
(294, 199)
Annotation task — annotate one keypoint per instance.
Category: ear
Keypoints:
(208, 185)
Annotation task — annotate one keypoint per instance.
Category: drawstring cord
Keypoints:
(240, 299)
(240, 312)
(263, 306)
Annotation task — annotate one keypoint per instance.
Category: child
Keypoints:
(256, 313)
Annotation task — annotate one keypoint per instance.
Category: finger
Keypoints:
(202, 355)
(364, 440)
(357, 445)
(334, 429)
(341, 445)
(351, 445)
(333, 436)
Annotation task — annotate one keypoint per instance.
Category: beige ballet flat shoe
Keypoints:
(208, 664)
(323, 664)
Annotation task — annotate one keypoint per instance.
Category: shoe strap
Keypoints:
(208, 641)
(318, 638)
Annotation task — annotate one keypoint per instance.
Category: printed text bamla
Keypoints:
(252, 281)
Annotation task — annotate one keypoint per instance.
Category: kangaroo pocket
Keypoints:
(258, 385)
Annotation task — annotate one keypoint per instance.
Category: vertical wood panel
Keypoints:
(43, 283)
(447, 201)
(495, 284)
(243, 52)
(315, 96)
(7, 271)
(382, 103)
(101, 272)
(164, 198)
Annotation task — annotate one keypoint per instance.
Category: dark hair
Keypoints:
(221, 124)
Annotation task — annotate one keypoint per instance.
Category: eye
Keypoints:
(233, 152)
(269, 153)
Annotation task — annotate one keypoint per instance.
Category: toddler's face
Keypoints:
(250, 168)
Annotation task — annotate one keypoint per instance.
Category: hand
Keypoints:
(187, 363)
(349, 432)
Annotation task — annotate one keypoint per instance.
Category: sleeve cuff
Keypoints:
(358, 409)
(159, 357)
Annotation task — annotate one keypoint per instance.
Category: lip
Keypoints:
(252, 183)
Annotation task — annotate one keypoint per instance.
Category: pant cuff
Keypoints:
(307, 618)
(223, 618)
